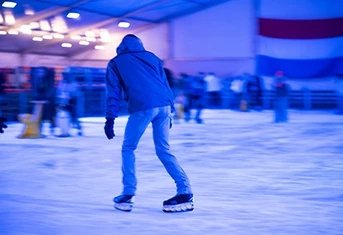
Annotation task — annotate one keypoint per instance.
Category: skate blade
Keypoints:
(126, 206)
(183, 207)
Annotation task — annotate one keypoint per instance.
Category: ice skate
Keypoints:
(179, 203)
(123, 202)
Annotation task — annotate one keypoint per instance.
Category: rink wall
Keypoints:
(220, 39)
(13, 60)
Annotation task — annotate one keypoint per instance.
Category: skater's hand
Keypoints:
(109, 128)
(2, 124)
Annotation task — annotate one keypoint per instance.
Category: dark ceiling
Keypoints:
(97, 20)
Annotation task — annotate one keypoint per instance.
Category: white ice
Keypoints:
(249, 176)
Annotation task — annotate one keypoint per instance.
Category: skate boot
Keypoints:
(179, 203)
(123, 202)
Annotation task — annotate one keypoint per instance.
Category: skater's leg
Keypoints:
(135, 127)
(187, 108)
(199, 106)
(161, 139)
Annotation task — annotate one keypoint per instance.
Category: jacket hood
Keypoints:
(130, 43)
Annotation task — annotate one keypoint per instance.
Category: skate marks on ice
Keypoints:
(249, 176)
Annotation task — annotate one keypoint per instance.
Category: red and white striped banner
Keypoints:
(304, 38)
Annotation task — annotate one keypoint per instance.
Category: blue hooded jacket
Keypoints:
(140, 75)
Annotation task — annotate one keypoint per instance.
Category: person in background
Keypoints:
(140, 75)
(67, 99)
(2, 90)
(236, 88)
(282, 91)
(213, 89)
(260, 92)
(254, 92)
(339, 90)
(196, 88)
(43, 89)
(2, 123)
(170, 77)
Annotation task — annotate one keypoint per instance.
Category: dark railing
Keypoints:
(92, 102)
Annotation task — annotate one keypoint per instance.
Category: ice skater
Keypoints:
(282, 90)
(2, 124)
(139, 74)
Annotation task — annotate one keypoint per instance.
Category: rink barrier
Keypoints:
(91, 102)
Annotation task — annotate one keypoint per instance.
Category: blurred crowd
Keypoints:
(207, 90)
(192, 92)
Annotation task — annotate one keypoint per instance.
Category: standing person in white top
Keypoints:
(67, 98)
(213, 90)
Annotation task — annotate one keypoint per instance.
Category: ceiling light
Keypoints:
(44, 25)
(123, 24)
(59, 25)
(75, 37)
(37, 39)
(25, 29)
(13, 32)
(9, 18)
(90, 39)
(90, 34)
(58, 35)
(84, 43)
(34, 25)
(9, 4)
(99, 47)
(29, 11)
(66, 44)
(48, 36)
(105, 35)
(2, 32)
(73, 15)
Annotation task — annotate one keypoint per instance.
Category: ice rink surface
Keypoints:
(249, 176)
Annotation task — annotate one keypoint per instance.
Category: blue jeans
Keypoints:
(160, 118)
(281, 109)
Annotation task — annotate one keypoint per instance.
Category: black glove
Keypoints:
(109, 128)
(2, 124)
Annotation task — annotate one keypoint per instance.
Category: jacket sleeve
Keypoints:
(113, 91)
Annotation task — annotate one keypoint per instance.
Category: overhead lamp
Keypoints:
(28, 11)
(75, 37)
(45, 25)
(25, 29)
(123, 24)
(59, 25)
(2, 32)
(48, 36)
(90, 34)
(37, 39)
(13, 32)
(89, 39)
(58, 35)
(105, 35)
(99, 47)
(9, 4)
(84, 43)
(34, 25)
(9, 18)
(73, 15)
(66, 45)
